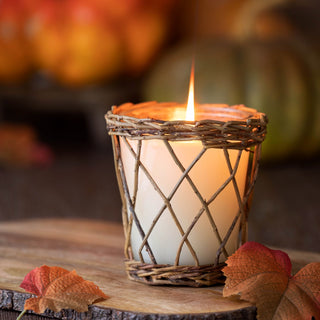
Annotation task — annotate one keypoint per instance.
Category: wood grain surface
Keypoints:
(95, 250)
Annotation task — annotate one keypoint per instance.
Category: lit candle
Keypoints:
(208, 174)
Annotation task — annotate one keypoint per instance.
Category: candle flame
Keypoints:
(190, 105)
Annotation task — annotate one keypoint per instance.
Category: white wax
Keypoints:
(210, 172)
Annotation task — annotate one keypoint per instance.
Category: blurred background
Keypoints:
(64, 63)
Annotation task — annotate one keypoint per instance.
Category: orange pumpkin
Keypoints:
(80, 42)
(74, 43)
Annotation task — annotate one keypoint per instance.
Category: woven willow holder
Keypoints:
(221, 127)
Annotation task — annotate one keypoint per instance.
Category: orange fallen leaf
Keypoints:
(263, 276)
(57, 288)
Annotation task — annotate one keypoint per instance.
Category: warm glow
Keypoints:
(190, 105)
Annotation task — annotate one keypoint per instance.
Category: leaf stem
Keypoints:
(21, 314)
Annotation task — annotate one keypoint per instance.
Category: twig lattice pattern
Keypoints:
(131, 132)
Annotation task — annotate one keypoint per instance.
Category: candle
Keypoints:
(185, 182)
(208, 175)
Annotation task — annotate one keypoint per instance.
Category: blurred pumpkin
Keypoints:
(74, 42)
(278, 78)
(15, 58)
(80, 42)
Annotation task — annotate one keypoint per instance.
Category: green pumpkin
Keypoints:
(277, 78)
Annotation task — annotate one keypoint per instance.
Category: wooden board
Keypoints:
(95, 250)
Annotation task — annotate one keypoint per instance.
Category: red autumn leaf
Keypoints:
(57, 288)
(263, 276)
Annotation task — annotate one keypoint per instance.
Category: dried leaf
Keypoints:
(263, 276)
(57, 288)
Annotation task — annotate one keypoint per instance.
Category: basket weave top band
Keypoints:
(216, 125)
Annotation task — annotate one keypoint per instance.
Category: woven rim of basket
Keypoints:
(219, 126)
(161, 274)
